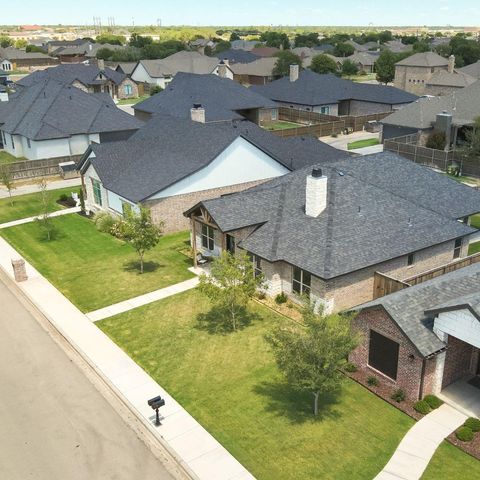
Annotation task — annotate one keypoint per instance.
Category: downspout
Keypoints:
(420, 389)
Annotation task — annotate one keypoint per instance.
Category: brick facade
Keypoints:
(414, 79)
(458, 361)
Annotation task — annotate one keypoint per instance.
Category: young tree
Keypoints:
(231, 284)
(310, 355)
(323, 64)
(343, 50)
(385, 67)
(349, 68)
(138, 230)
(472, 149)
(285, 59)
(44, 219)
(6, 179)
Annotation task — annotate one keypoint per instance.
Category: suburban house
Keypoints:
(325, 231)
(365, 61)
(16, 59)
(473, 70)
(201, 43)
(221, 98)
(430, 74)
(51, 119)
(80, 51)
(459, 110)
(396, 46)
(171, 163)
(237, 56)
(425, 337)
(258, 72)
(161, 72)
(331, 95)
(247, 45)
(265, 52)
(125, 68)
(89, 78)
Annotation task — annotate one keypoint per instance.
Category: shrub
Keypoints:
(334, 135)
(104, 222)
(281, 298)
(473, 424)
(261, 295)
(350, 367)
(422, 407)
(398, 395)
(63, 197)
(155, 89)
(436, 141)
(464, 434)
(373, 381)
(433, 401)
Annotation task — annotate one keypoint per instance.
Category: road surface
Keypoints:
(54, 423)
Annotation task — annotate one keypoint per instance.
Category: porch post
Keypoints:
(194, 242)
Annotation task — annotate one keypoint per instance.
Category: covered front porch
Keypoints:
(464, 396)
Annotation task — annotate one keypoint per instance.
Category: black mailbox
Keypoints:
(156, 403)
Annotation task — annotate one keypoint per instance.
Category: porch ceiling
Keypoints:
(462, 324)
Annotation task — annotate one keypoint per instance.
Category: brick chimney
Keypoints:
(222, 69)
(294, 71)
(451, 63)
(316, 193)
(101, 63)
(197, 113)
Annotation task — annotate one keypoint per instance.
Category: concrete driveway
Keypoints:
(55, 424)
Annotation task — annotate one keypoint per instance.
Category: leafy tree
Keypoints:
(155, 89)
(385, 67)
(444, 50)
(472, 149)
(138, 230)
(6, 179)
(105, 53)
(162, 49)
(129, 54)
(5, 41)
(409, 39)
(111, 39)
(208, 51)
(139, 41)
(285, 58)
(385, 36)
(234, 36)
(323, 64)
(349, 68)
(231, 284)
(21, 43)
(421, 46)
(343, 50)
(311, 355)
(44, 220)
(34, 48)
(306, 40)
(221, 46)
(275, 39)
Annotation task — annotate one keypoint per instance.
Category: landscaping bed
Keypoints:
(94, 269)
(472, 448)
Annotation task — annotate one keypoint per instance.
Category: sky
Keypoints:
(245, 12)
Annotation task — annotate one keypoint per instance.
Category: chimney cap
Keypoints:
(197, 105)
(317, 173)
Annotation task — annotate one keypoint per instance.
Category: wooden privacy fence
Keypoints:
(384, 285)
(407, 146)
(27, 169)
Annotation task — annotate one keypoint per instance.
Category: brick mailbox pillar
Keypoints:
(19, 270)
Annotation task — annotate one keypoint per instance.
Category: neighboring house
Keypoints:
(365, 61)
(425, 337)
(429, 74)
(472, 70)
(237, 56)
(332, 95)
(323, 48)
(396, 46)
(201, 43)
(221, 98)
(89, 78)
(50, 119)
(16, 59)
(161, 72)
(170, 164)
(125, 68)
(3, 77)
(463, 107)
(258, 72)
(265, 52)
(247, 45)
(78, 52)
(325, 232)
(56, 44)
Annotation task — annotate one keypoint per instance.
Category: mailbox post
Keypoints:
(156, 403)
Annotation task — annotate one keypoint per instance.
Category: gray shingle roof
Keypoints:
(237, 56)
(395, 218)
(473, 70)
(444, 78)
(412, 307)
(464, 105)
(68, 73)
(314, 89)
(11, 53)
(424, 59)
(220, 97)
(168, 149)
(262, 67)
(50, 109)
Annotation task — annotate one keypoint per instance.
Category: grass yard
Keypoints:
(474, 248)
(230, 384)
(282, 125)
(94, 269)
(31, 204)
(132, 101)
(449, 462)
(6, 157)
(475, 221)
(369, 142)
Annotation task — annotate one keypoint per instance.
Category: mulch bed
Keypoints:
(67, 203)
(472, 448)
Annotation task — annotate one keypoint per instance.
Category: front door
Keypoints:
(230, 241)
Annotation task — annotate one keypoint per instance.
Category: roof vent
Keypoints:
(317, 173)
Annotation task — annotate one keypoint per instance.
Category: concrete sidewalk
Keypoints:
(190, 444)
(21, 221)
(33, 187)
(145, 299)
(420, 443)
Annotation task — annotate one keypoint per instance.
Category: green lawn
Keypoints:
(282, 125)
(475, 221)
(369, 142)
(230, 384)
(474, 248)
(132, 101)
(449, 462)
(30, 205)
(6, 157)
(94, 269)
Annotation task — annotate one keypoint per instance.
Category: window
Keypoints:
(301, 281)
(29, 145)
(230, 243)
(97, 191)
(127, 89)
(274, 114)
(257, 264)
(457, 249)
(207, 237)
(383, 354)
(411, 259)
(325, 110)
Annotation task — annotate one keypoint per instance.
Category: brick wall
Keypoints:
(458, 362)
(170, 210)
(121, 90)
(409, 372)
